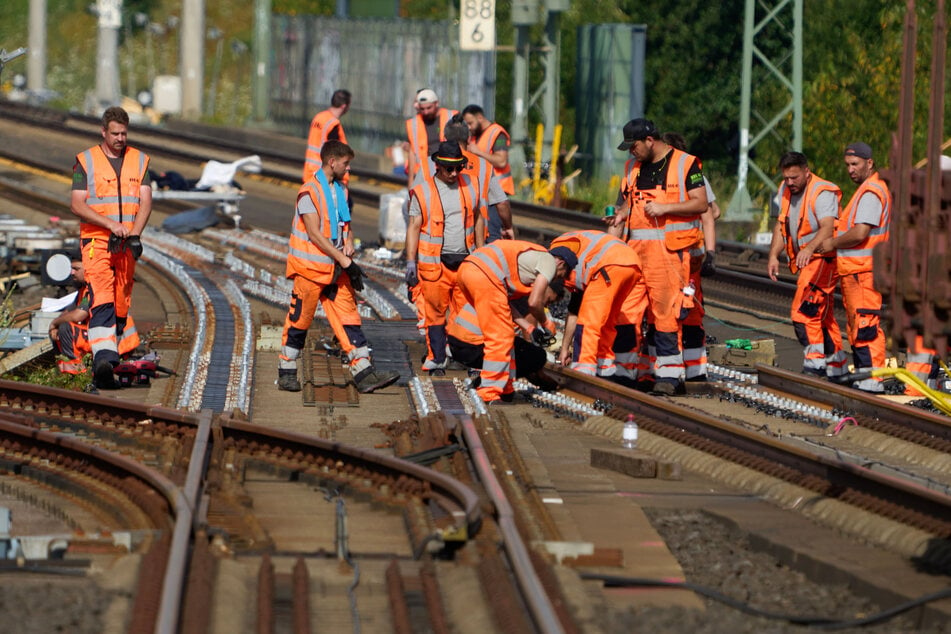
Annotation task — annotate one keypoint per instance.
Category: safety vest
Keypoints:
(116, 199)
(677, 231)
(485, 143)
(419, 141)
(304, 258)
(499, 261)
(858, 259)
(434, 222)
(465, 327)
(808, 221)
(595, 250)
(320, 129)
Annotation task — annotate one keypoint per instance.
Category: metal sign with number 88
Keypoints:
(477, 25)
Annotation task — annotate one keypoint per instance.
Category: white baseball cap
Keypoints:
(426, 95)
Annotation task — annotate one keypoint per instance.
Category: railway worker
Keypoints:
(605, 275)
(69, 331)
(490, 278)
(661, 198)
(490, 141)
(112, 196)
(320, 264)
(808, 209)
(324, 127)
(702, 264)
(446, 223)
(492, 192)
(424, 132)
(467, 344)
(862, 227)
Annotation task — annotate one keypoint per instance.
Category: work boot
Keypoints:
(664, 388)
(287, 381)
(369, 379)
(103, 377)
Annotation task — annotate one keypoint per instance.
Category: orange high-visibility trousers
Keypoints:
(439, 299)
(341, 313)
(598, 317)
(491, 303)
(110, 278)
(920, 361)
(863, 307)
(813, 318)
(694, 337)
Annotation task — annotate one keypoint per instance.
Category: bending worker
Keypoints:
(320, 264)
(605, 275)
(489, 279)
(68, 331)
(808, 209)
(862, 227)
(661, 199)
(112, 196)
(445, 224)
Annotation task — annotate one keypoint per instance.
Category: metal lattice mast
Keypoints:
(781, 20)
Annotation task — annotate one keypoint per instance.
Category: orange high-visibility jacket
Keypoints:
(595, 250)
(808, 222)
(677, 232)
(117, 199)
(499, 261)
(485, 143)
(320, 128)
(858, 259)
(434, 222)
(419, 141)
(304, 258)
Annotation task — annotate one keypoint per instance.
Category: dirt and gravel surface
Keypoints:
(720, 559)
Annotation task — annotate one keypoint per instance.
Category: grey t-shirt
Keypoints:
(454, 233)
(869, 211)
(826, 207)
(531, 264)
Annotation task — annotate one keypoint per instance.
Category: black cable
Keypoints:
(812, 621)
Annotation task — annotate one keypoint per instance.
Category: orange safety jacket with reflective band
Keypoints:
(677, 231)
(858, 259)
(808, 221)
(499, 261)
(485, 143)
(320, 129)
(434, 222)
(115, 198)
(304, 258)
(419, 141)
(595, 250)
(481, 170)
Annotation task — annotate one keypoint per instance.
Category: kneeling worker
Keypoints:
(69, 331)
(489, 279)
(319, 262)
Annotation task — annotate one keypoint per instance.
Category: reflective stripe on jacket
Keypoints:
(595, 250)
(304, 257)
(418, 139)
(115, 198)
(808, 221)
(677, 231)
(485, 143)
(320, 129)
(858, 259)
(431, 232)
(499, 261)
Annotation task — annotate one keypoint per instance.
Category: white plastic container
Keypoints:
(393, 212)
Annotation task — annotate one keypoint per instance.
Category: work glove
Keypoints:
(134, 244)
(355, 273)
(412, 279)
(709, 266)
(542, 337)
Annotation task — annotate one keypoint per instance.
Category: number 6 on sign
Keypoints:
(477, 25)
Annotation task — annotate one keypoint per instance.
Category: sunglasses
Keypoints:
(451, 169)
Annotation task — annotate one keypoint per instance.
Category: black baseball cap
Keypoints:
(859, 149)
(449, 154)
(637, 130)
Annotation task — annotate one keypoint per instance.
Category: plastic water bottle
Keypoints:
(629, 433)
